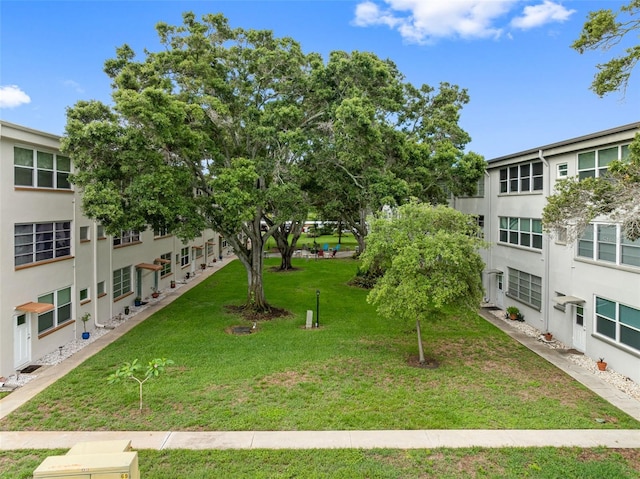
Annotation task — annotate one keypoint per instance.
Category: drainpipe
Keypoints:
(74, 289)
(95, 275)
(547, 247)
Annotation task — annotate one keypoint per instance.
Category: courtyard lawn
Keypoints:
(533, 463)
(351, 373)
(347, 241)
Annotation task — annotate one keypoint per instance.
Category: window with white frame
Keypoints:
(563, 170)
(525, 287)
(84, 295)
(100, 232)
(84, 233)
(593, 164)
(101, 289)
(618, 322)
(60, 314)
(606, 242)
(126, 237)
(525, 232)
(166, 266)
(210, 244)
(121, 281)
(160, 232)
(184, 256)
(35, 242)
(41, 169)
(522, 178)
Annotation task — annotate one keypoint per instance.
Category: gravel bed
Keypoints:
(621, 382)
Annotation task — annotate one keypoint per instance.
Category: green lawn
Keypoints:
(351, 373)
(532, 463)
(347, 241)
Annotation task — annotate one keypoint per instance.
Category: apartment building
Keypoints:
(56, 265)
(587, 294)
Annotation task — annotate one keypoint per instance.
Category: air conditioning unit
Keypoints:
(92, 460)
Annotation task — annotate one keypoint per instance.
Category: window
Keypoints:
(126, 237)
(563, 170)
(595, 163)
(210, 245)
(525, 232)
(157, 233)
(606, 242)
(36, 242)
(184, 256)
(166, 267)
(525, 287)
(522, 178)
(84, 295)
(40, 169)
(198, 250)
(121, 281)
(100, 232)
(60, 314)
(101, 289)
(618, 322)
(84, 233)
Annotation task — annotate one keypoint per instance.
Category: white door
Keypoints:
(22, 341)
(579, 329)
(499, 291)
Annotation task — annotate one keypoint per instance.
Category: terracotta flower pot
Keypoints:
(602, 366)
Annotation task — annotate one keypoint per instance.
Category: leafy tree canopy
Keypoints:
(429, 255)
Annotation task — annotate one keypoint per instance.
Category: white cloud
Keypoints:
(12, 96)
(73, 84)
(538, 15)
(423, 21)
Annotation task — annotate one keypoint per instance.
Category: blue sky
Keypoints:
(528, 88)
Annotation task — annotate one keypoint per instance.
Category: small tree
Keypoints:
(132, 371)
(430, 260)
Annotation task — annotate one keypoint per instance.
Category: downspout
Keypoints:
(547, 247)
(487, 227)
(95, 275)
(75, 269)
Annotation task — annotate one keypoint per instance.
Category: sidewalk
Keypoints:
(413, 439)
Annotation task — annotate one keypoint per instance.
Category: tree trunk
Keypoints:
(286, 247)
(256, 298)
(420, 348)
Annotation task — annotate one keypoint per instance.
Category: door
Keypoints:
(579, 329)
(22, 341)
(500, 291)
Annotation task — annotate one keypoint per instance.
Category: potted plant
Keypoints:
(513, 312)
(173, 283)
(137, 301)
(155, 293)
(84, 318)
(601, 364)
(548, 336)
(127, 310)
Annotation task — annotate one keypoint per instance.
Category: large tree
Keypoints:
(429, 255)
(200, 134)
(615, 195)
(383, 140)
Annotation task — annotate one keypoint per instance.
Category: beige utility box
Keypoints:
(115, 465)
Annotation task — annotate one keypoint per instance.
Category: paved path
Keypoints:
(413, 439)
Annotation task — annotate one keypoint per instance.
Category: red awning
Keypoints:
(35, 307)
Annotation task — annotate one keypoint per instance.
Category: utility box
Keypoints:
(101, 447)
(120, 465)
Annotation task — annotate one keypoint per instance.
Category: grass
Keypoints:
(347, 241)
(567, 463)
(351, 373)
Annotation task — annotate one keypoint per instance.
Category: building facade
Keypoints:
(587, 294)
(56, 265)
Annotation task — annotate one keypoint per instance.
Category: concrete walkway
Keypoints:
(413, 439)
